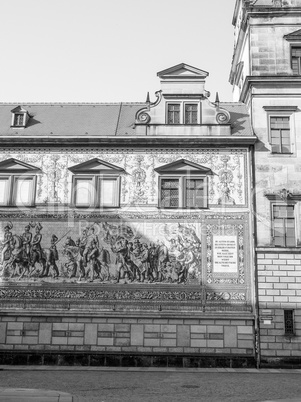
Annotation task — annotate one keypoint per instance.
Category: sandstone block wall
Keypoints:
(279, 286)
(60, 333)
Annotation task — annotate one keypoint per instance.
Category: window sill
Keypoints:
(281, 153)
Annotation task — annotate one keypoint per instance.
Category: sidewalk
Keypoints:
(33, 395)
(150, 369)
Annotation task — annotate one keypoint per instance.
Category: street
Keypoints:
(150, 385)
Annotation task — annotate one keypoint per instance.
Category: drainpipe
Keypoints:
(254, 221)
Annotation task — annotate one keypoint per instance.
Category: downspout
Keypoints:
(254, 219)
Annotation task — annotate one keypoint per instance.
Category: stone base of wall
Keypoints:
(284, 362)
(87, 334)
(126, 360)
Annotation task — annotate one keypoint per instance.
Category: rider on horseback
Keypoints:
(6, 241)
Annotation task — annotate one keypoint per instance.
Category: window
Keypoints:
(96, 183)
(183, 192)
(17, 183)
(183, 184)
(296, 60)
(284, 226)
(17, 190)
(280, 134)
(173, 113)
(191, 113)
(289, 322)
(95, 191)
(20, 117)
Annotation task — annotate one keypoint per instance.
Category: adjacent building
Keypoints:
(266, 77)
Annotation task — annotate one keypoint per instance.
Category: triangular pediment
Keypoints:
(19, 109)
(296, 35)
(183, 70)
(94, 166)
(183, 166)
(15, 166)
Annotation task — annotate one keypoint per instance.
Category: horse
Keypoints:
(18, 259)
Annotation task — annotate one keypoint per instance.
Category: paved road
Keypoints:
(155, 385)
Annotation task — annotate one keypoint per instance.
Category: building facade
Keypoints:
(266, 77)
(127, 230)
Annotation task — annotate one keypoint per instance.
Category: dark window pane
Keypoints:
(191, 114)
(170, 193)
(289, 322)
(195, 193)
(173, 114)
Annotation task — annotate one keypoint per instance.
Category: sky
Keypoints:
(110, 50)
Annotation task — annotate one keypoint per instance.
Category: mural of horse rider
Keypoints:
(6, 243)
(91, 239)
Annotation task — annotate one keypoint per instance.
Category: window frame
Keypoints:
(182, 112)
(294, 46)
(281, 137)
(168, 111)
(182, 204)
(96, 180)
(282, 111)
(10, 197)
(185, 112)
(278, 204)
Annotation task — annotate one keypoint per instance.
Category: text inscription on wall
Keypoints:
(225, 254)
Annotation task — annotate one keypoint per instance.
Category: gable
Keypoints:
(183, 70)
(183, 166)
(19, 109)
(96, 166)
(15, 166)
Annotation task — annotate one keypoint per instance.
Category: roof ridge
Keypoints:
(72, 103)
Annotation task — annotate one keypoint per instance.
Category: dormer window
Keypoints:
(20, 117)
(183, 113)
(96, 184)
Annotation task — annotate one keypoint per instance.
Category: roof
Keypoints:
(240, 118)
(95, 119)
(72, 119)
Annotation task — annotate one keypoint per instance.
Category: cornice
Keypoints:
(121, 142)
(267, 80)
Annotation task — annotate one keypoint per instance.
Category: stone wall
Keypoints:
(279, 287)
(152, 334)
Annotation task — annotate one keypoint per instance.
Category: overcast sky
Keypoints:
(110, 50)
